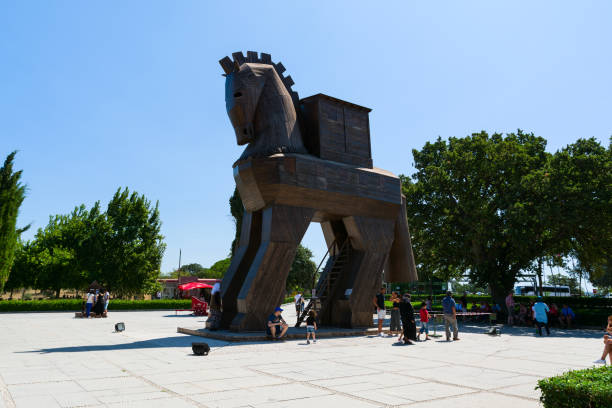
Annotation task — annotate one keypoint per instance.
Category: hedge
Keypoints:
(76, 305)
(573, 302)
(590, 388)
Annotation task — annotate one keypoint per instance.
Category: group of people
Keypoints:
(95, 303)
(522, 314)
(403, 323)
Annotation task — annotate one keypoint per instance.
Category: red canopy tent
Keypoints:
(194, 285)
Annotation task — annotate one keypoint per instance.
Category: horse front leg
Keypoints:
(263, 289)
(244, 253)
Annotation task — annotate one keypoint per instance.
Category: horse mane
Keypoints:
(230, 66)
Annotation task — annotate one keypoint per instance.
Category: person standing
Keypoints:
(379, 303)
(449, 309)
(510, 307)
(540, 310)
(106, 300)
(214, 316)
(98, 308)
(90, 302)
(311, 326)
(464, 302)
(299, 302)
(424, 315)
(395, 327)
(407, 315)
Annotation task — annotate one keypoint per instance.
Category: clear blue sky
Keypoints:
(98, 95)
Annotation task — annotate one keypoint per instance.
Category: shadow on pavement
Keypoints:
(165, 342)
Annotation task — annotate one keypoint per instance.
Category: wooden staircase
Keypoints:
(330, 278)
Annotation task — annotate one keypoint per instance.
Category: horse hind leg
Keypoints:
(282, 229)
(371, 239)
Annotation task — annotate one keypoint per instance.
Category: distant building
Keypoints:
(170, 286)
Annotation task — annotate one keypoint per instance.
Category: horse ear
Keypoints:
(227, 65)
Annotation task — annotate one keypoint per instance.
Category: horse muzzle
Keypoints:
(244, 134)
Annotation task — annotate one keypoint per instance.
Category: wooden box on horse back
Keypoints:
(337, 130)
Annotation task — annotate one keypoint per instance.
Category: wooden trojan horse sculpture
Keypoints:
(307, 160)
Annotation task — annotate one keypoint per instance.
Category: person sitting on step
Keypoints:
(277, 327)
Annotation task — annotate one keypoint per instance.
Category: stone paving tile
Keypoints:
(522, 390)
(366, 382)
(38, 401)
(79, 399)
(473, 377)
(112, 383)
(45, 388)
(111, 398)
(156, 403)
(327, 401)
(477, 400)
(426, 391)
(36, 375)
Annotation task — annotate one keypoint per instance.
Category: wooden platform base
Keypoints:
(292, 334)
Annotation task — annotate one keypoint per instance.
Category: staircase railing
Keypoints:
(323, 288)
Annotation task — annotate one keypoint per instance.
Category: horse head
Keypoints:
(243, 88)
(261, 105)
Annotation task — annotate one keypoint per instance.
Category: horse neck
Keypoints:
(275, 123)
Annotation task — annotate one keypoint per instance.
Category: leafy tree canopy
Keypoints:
(493, 205)
(121, 248)
(12, 194)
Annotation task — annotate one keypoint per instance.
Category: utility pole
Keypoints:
(179, 268)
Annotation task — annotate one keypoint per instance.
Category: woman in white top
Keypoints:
(90, 301)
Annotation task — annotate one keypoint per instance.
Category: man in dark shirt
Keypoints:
(450, 316)
(277, 327)
(379, 304)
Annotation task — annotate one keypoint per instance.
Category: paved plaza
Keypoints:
(53, 360)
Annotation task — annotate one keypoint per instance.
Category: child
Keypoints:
(311, 326)
(607, 344)
(424, 314)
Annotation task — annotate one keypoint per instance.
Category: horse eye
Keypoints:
(237, 94)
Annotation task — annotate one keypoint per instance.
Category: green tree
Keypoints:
(12, 194)
(237, 210)
(581, 199)
(218, 269)
(132, 243)
(302, 272)
(24, 270)
(193, 269)
(470, 207)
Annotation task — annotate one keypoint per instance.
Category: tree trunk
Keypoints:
(57, 293)
(539, 291)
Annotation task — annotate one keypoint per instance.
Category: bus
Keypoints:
(528, 289)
